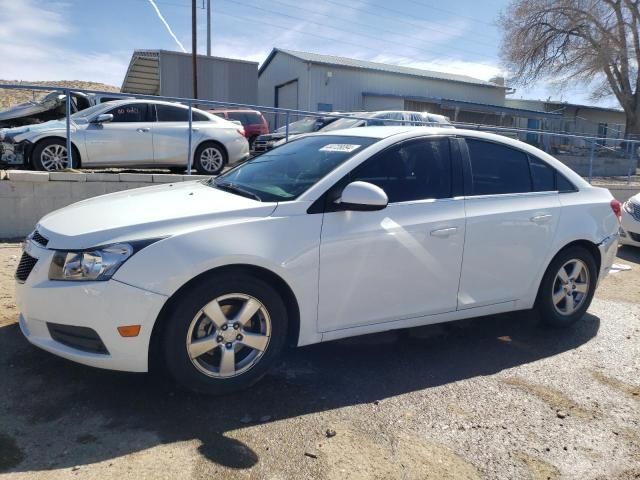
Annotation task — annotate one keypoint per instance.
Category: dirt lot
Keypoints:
(497, 397)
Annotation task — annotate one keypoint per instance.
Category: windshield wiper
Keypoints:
(230, 187)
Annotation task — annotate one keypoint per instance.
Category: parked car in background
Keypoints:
(630, 222)
(128, 133)
(50, 107)
(330, 236)
(391, 118)
(305, 125)
(253, 122)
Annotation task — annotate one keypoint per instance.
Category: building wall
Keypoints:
(345, 88)
(218, 79)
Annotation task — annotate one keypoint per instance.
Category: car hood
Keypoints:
(271, 136)
(144, 213)
(25, 109)
(21, 133)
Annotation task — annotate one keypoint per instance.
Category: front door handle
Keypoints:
(142, 130)
(544, 218)
(444, 232)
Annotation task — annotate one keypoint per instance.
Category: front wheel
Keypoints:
(51, 155)
(567, 287)
(210, 158)
(224, 333)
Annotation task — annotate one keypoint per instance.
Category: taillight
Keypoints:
(616, 206)
(241, 132)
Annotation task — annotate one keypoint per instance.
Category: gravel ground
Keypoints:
(496, 397)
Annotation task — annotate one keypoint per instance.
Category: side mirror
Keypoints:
(363, 196)
(103, 118)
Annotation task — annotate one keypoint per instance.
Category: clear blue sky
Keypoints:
(93, 39)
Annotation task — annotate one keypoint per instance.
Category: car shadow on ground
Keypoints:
(43, 393)
(628, 253)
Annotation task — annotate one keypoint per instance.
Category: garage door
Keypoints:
(286, 97)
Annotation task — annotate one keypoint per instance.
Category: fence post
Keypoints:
(286, 128)
(631, 162)
(189, 156)
(67, 111)
(593, 150)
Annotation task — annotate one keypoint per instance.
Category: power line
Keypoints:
(244, 4)
(368, 25)
(323, 37)
(429, 5)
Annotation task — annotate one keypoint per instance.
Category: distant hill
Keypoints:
(9, 98)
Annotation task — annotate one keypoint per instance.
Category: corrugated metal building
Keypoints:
(167, 73)
(309, 81)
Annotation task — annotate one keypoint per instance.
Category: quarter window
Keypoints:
(133, 112)
(413, 170)
(496, 169)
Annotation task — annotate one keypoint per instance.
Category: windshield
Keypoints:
(286, 172)
(306, 125)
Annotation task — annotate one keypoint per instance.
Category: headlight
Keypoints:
(628, 206)
(98, 264)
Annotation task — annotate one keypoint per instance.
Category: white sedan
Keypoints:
(128, 133)
(329, 236)
(630, 222)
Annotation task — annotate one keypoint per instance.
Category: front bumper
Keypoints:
(629, 229)
(99, 306)
(14, 154)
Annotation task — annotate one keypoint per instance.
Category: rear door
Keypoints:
(512, 212)
(171, 134)
(400, 262)
(127, 140)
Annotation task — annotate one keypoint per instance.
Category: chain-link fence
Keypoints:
(589, 156)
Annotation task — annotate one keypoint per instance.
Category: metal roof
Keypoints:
(143, 74)
(381, 67)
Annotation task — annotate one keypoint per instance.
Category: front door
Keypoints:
(402, 261)
(512, 211)
(126, 140)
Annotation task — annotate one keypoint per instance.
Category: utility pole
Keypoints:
(194, 48)
(208, 28)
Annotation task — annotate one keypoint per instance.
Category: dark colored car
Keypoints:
(306, 125)
(253, 122)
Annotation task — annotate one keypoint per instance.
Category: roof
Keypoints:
(381, 67)
(143, 73)
(561, 105)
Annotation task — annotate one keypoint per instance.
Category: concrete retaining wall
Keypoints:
(25, 197)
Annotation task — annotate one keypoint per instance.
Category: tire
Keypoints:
(210, 158)
(209, 371)
(562, 299)
(51, 154)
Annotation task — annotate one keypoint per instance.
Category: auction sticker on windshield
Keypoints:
(340, 147)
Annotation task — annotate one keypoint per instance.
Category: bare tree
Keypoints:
(593, 42)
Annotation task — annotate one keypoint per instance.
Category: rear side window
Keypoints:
(543, 175)
(413, 170)
(496, 169)
(169, 113)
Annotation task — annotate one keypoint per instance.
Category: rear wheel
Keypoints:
(567, 287)
(224, 334)
(210, 158)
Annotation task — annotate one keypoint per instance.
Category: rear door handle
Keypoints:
(544, 218)
(143, 130)
(444, 232)
(195, 129)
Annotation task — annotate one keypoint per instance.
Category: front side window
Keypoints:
(497, 169)
(132, 112)
(414, 170)
(286, 172)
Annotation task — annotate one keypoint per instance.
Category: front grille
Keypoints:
(39, 239)
(635, 210)
(634, 236)
(80, 338)
(27, 262)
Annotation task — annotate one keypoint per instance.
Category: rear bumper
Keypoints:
(99, 306)
(608, 249)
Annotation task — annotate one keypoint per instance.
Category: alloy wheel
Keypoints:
(229, 335)
(570, 287)
(54, 157)
(211, 159)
